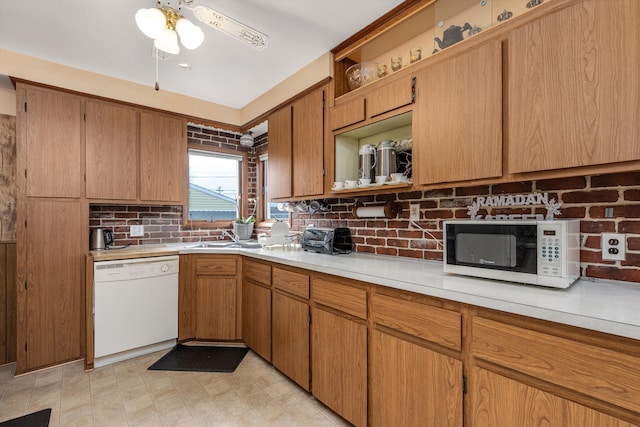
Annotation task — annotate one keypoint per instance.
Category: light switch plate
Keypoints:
(614, 246)
(136, 230)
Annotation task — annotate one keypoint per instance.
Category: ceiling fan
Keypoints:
(230, 26)
(164, 23)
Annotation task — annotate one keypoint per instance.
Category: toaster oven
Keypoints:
(330, 241)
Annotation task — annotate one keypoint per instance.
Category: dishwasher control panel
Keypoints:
(135, 268)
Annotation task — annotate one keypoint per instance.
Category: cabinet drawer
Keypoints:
(291, 282)
(423, 321)
(216, 265)
(390, 96)
(257, 272)
(347, 114)
(345, 298)
(585, 368)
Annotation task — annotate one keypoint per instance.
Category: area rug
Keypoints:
(36, 419)
(201, 359)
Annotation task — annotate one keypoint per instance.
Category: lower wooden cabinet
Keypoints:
(528, 372)
(412, 385)
(256, 307)
(290, 324)
(339, 346)
(216, 308)
(290, 337)
(50, 306)
(381, 357)
(415, 364)
(500, 401)
(209, 304)
(339, 364)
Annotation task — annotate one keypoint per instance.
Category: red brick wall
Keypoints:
(585, 198)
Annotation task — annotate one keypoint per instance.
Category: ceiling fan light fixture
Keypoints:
(151, 22)
(191, 36)
(167, 42)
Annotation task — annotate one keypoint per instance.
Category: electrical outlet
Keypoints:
(414, 212)
(136, 231)
(614, 246)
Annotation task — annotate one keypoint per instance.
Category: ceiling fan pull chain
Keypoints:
(157, 84)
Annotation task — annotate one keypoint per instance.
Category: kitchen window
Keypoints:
(216, 181)
(270, 209)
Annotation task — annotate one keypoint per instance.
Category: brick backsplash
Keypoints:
(585, 198)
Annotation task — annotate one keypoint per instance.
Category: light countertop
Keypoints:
(602, 305)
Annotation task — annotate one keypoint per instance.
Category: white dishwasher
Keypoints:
(135, 307)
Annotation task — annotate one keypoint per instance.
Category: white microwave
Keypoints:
(544, 253)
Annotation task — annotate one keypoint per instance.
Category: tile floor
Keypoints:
(127, 394)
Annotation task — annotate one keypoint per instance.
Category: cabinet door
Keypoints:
(280, 157)
(573, 95)
(54, 131)
(347, 114)
(390, 96)
(187, 297)
(111, 151)
(216, 308)
(54, 260)
(457, 120)
(410, 385)
(308, 145)
(163, 155)
(256, 318)
(339, 365)
(290, 338)
(499, 401)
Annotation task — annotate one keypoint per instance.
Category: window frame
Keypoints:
(261, 180)
(244, 186)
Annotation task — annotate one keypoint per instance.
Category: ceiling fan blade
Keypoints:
(231, 27)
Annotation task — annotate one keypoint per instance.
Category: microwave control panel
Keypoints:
(551, 250)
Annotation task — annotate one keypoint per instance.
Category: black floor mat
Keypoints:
(37, 419)
(201, 359)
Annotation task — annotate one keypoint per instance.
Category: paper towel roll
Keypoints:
(388, 210)
(370, 212)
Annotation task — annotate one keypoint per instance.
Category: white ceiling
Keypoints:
(102, 37)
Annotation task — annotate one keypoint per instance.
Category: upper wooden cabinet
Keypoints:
(296, 148)
(308, 144)
(380, 99)
(457, 119)
(573, 86)
(280, 156)
(163, 155)
(111, 151)
(53, 142)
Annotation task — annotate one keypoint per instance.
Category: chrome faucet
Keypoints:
(230, 235)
